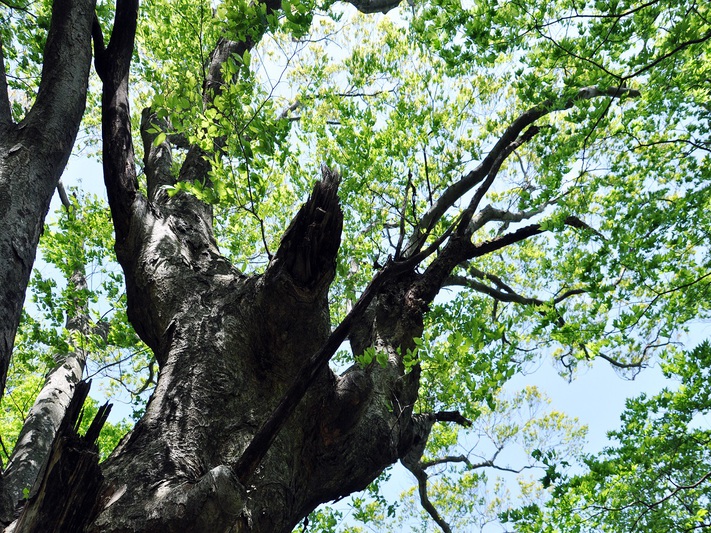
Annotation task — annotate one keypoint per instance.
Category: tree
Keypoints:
(519, 155)
(656, 478)
(35, 149)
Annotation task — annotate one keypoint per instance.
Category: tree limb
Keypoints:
(465, 227)
(412, 459)
(452, 416)
(65, 71)
(427, 505)
(112, 65)
(459, 188)
(445, 460)
(499, 295)
(5, 109)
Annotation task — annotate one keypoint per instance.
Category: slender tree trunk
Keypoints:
(33, 154)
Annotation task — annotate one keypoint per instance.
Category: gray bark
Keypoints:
(33, 155)
(49, 410)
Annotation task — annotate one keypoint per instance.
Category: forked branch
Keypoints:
(465, 183)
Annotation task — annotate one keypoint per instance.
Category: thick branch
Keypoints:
(452, 416)
(65, 72)
(422, 425)
(465, 226)
(458, 189)
(112, 65)
(460, 249)
(487, 247)
(421, 477)
(504, 293)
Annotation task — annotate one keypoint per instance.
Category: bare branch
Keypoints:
(458, 189)
(445, 460)
(483, 288)
(421, 476)
(287, 111)
(616, 363)
(63, 195)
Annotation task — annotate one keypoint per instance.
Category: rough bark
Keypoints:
(64, 497)
(33, 155)
(49, 410)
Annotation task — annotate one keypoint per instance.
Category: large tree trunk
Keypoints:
(33, 155)
(230, 347)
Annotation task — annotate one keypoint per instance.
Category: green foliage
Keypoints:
(25, 380)
(404, 105)
(655, 476)
(79, 242)
(22, 46)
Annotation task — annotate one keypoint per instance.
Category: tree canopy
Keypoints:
(458, 190)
